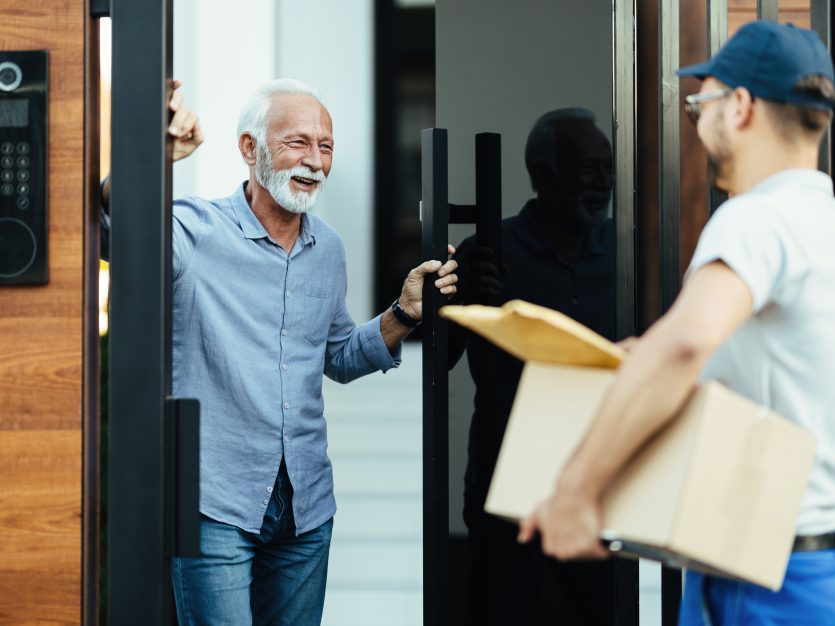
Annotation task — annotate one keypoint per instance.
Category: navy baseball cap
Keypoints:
(768, 59)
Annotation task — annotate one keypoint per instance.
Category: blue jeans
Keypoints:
(242, 578)
(807, 597)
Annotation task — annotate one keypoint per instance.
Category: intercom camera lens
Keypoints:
(7, 76)
(10, 76)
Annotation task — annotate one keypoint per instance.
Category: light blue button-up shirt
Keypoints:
(254, 330)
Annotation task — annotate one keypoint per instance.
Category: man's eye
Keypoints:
(297, 144)
(326, 147)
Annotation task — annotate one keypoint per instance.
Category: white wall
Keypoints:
(222, 52)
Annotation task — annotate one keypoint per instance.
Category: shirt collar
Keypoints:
(252, 228)
(807, 178)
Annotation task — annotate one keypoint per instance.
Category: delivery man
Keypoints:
(757, 312)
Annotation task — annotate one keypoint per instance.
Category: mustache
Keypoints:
(305, 172)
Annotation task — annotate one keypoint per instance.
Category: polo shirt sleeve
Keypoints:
(752, 239)
(188, 222)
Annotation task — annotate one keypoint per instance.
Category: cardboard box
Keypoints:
(718, 490)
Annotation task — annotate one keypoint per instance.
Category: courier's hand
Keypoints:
(184, 126)
(628, 344)
(411, 297)
(569, 523)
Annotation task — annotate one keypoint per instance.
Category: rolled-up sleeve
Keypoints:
(355, 351)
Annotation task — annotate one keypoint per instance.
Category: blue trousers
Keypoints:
(244, 579)
(807, 597)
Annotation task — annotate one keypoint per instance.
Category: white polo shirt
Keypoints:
(779, 238)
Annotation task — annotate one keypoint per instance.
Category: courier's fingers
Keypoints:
(527, 528)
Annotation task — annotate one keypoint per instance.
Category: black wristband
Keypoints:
(403, 317)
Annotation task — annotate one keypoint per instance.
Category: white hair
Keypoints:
(253, 118)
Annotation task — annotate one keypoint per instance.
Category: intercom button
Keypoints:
(7, 147)
(23, 148)
(23, 189)
(7, 176)
(22, 161)
(7, 161)
(23, 175)
(7, 189)
(23, 203)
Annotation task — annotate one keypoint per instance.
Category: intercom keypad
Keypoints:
(23, 167)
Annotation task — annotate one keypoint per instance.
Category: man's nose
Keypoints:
(313, 158)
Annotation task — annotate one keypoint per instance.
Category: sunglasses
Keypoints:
(693, 103)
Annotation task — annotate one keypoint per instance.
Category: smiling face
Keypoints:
(296, 160)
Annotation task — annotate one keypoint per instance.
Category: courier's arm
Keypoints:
(650, 386)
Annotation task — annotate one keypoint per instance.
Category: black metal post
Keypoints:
(435, 217)
(488, 190)
(139, 573)
(626, 591)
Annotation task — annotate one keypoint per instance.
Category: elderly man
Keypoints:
(259, 316)
(756, 312)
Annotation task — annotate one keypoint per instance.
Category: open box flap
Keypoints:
(535, 333)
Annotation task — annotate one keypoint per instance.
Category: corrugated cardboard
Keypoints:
(718, 490)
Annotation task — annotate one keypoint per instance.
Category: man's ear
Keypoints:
(247, 146)
(743, 111)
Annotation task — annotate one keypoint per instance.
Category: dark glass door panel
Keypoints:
(551, 80)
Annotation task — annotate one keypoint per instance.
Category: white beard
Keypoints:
(277, 183)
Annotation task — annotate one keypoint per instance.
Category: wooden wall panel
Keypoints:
(41, 360)
(796, 12)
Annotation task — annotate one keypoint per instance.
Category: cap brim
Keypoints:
(700, 70)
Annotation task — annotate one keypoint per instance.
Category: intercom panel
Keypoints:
(23, 167)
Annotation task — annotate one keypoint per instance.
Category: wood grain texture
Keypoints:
(41, 339)
(796, 12)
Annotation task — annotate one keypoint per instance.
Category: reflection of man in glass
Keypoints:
(557, 252)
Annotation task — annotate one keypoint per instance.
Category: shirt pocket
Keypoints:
(318, 313)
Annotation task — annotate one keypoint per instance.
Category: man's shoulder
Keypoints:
(198, 204)
(195, 211)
